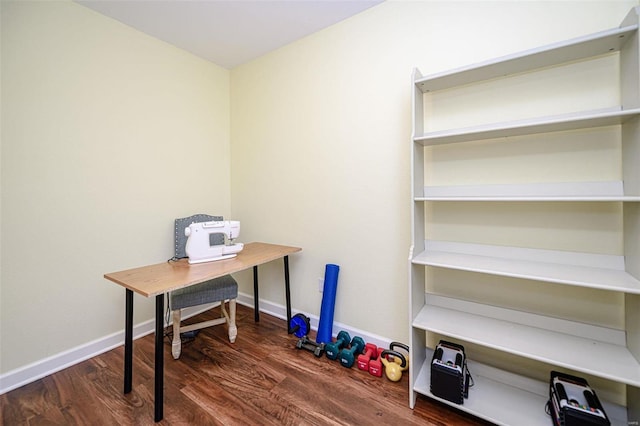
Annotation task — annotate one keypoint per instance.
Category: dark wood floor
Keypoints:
(260, 379)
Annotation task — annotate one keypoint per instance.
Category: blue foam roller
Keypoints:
(325, 326)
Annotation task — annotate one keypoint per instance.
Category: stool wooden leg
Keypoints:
(176, 344)
(233, 330)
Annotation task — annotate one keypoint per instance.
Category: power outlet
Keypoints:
(320, 284)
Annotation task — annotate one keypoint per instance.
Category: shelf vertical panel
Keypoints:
(632, 312)
(417, 154)
(630, 93)
(630, 98)
(631, 156)
(631, 229)
(418, 105)
(417, 337)
(630, 64)
(417, 344)
(417, 173)
(633, 405)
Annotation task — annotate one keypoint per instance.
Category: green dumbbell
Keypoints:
(332, 349)
(348, 356)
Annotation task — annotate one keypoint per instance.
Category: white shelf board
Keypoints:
(553, 54)
(601, 359)
(562, 122)
(602, 272)
(491, 400)
(559, 191)
(500, 402)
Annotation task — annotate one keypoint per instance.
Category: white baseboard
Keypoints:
(44, 367)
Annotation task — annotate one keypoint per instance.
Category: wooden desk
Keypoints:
(156, 280)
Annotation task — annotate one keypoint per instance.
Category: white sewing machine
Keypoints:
(199, 248)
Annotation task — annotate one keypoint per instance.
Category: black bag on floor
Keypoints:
(449, 374)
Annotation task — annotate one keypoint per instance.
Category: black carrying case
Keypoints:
(573, 403)
(449, 374)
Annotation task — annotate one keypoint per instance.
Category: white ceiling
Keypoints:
(229, 32)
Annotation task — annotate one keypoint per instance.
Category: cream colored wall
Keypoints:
(321, 142)
(107, 136)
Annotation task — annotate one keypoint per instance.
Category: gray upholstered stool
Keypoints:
(216, 290)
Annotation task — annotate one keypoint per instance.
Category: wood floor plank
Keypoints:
(26, 402)
(226, 407)
(261, 379)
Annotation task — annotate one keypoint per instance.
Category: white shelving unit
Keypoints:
(499, 395)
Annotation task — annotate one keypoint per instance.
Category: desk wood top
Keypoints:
(160, 278)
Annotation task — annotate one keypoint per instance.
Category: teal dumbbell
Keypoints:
(332, 349)
(348, 356)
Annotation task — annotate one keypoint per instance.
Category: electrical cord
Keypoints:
(167, 316)
(168, 304)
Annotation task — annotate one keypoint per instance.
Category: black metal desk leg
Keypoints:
(128, 340)
(256, 304)
(287, 289)
(159, 363)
